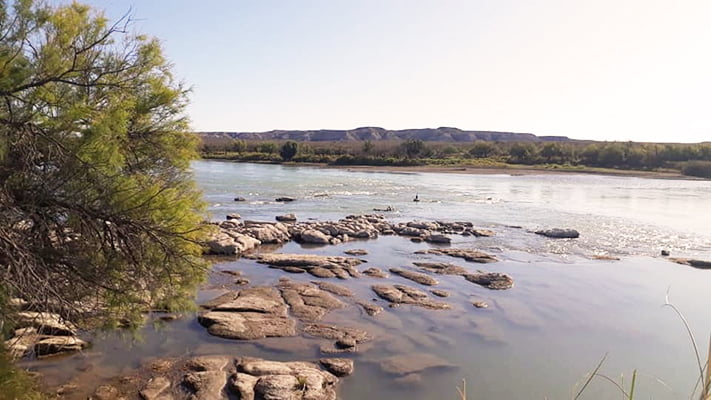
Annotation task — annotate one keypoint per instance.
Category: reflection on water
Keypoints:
(534, 341)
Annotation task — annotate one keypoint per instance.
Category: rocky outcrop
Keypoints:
(467, 254)
(491, 280)
(401, 294)
(252, 313)
(42, 334)
(422, 279)
(559, 233)
(338, 366)
(312, 236)
(319, 266)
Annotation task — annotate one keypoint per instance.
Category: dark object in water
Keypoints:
(665, 253)
(416, 199)
(285, 199)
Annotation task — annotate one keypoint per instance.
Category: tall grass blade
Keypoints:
(590, 378)
(667, 303)
(634, 379)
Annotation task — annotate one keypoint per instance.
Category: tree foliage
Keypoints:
(289, 150)
(97, 205)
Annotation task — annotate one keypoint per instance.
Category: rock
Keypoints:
(480, 304)
(701, 264)
(375, 273)
(406, 364)
(415, 276)
(401, 294)
(284, 199)
(247, 326)
(439, 293)
(238, 198)
(206, 385)
(356, 252)
(665, 253)
(307, 302)
(431, 226)
(253, 314)
(491, 280)
(293, 270)
(319, 266)
(437, 238)
(45, 323)
(260, 379)
(267, 232)
(408, 231)
(58, 344)
(242, 281)
(334, 288)
(369, 308)
(338, 366)
(344, 337)
(106, 392)
(312, 236)
(208, 363)
(233, 216)
(154, 388)
(559, 233)
(604, 257)
(441, 268)
(416, 239)
(230, 243)
(467, 254)
(286, 218)
(480, 232)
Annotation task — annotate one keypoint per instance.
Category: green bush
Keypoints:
(701, 169)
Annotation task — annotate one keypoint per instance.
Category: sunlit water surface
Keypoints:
(535, 341)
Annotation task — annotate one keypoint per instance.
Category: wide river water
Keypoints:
(535, 341)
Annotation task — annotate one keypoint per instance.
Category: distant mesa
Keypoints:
(441, 134)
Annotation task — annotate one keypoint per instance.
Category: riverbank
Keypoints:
(483, 169)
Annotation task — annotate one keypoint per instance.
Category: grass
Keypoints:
(15, 384)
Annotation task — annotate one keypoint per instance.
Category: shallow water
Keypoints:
(536, 340)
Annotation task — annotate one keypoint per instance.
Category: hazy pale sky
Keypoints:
(603, 69)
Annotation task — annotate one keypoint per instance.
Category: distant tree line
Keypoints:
(693, 159)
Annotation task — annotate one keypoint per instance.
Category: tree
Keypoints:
(368, 146)
(238, 146)
(413, 147)
(289, 150)
(482, 149)
(97, 204)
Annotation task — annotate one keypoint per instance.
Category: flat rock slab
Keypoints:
(346, 339)
(406, 364)
(251, 313)
(420, 278)
(307, 302)
(155, 388)
(45, 323)
(262, 379)
(247, 325)
(467, 254)
(334, 288)
(338, 366)
(491, 280)
(206, 385)
(401, 294)
(439, 293)
(319, 266)
(441, 268)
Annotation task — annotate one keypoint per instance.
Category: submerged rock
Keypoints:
(334, 288)
(558, 233)
(338, 366)
(467, 254)
(370, 308)
(415, 276)
(491, 280)
(406, 364)
(356, 252)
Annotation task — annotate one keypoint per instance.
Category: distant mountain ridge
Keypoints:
(442, 134)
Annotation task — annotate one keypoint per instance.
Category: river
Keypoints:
(537, 340)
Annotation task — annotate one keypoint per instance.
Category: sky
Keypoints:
(604, 70)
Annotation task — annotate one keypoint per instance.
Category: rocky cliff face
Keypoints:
(442, 134)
